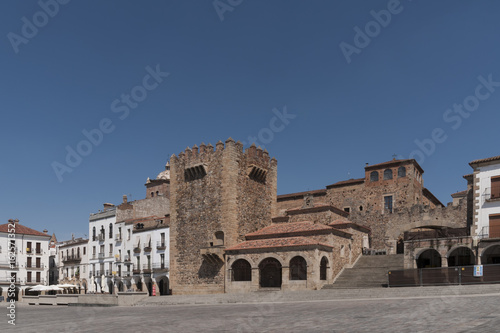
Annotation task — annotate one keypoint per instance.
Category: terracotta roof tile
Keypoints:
(276, 243)
(341, 224)
(347, 182)
(395, 162)
(484, 160)
(301, 194)
(459, 194)
(315, 209)
(287, 228)
(22, 230)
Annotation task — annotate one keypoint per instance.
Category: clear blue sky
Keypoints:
(225, 78)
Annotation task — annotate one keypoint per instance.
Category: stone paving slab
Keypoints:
(452, 313)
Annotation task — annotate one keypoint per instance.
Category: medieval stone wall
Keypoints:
(215, 192)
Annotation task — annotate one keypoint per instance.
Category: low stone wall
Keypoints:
(122, 299)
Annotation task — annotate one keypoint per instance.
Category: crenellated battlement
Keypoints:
(253, 154)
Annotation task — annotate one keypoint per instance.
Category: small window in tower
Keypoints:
(152, 194)
(387, 174)
(360, 208)
(388, 204)
(347, 209)
(401, 172)
(157, 193)
(374, 176)
(257, 174)
(195, 172)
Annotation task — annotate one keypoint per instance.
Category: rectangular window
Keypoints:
(128, 234)
(494, 231)
(28, 264)
(28, 277)
(28, 247)
(38, 275)
(495, 187)
(38, 263)
(38, 248)
(388, 204)
(84, 250)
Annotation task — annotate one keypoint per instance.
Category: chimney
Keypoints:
(45, 231)
(108, 206)
(124, 199)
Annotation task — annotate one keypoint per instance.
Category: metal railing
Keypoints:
(457, 275)
(160, 245)
(34, 266)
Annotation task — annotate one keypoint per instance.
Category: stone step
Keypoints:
(369, 272)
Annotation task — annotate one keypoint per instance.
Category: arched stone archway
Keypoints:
(298, 268)
(461, 256)
(270, 273)
(323, 269)
(163, 286)
(491, 255)
(428, 258)
(242, 270)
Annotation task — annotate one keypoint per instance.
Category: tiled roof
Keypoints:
(22, 230)
(459, 194)
(341, 224)
(277, 243)
(395, 162)
(484, 160)
(288, 228)
(301, 194)
(315, 209)
(347, 182)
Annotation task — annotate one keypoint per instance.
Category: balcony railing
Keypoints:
(147, 247)
(136, 269)
(118, 258)
(101, 255)
(34, 266)
(489, 196)
(71, 258)
(146, 268)
(126, 274)
(137, 249)
(161, 246)
(34, 281)
(484, 233)
(161, 267)
(9, 265)
(9, 280)
(118, 237)
(101, 238)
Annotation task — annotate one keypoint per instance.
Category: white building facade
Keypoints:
(24, 258)
(101, 250)
(487, 197)
(73, 263)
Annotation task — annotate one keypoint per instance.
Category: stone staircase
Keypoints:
(369, 272)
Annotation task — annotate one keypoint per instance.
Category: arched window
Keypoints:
(93, 234)
(374, 176)
(322, 268)
(111, 230)
(402, 172)
(219, 238)
(298, 268)
(387, 174)
(242, 271)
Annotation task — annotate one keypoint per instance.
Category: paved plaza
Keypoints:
(453, 313)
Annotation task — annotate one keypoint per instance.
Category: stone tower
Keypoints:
(217, 196)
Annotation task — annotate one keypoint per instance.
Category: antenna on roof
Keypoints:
(394, 156)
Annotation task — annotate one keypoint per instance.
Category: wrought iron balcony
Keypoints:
(161, 246)
(147, 247)
(157, 267)
(71, 258)
(146, 268)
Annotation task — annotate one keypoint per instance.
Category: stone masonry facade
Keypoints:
(216, 197)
